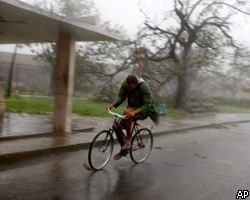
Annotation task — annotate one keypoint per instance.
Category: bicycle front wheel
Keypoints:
(100, 150)
(142, 144)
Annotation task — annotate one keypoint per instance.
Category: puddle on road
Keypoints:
(15, 124)
(25, 124)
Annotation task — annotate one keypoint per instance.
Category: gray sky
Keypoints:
(127, 14)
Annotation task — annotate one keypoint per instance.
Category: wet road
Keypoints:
(203, 164)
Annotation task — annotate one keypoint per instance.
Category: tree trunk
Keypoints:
(9, 88)
(181, 92)
(182, 79)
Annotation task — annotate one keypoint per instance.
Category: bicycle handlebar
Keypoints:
(115, 114)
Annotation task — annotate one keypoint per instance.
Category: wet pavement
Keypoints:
(24, 135)
(202, 164)
(21, 124)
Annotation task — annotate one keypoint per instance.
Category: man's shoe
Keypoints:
(118, 156)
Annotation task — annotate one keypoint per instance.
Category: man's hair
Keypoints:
(131, 79)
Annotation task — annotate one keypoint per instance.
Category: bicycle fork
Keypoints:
(106, 142)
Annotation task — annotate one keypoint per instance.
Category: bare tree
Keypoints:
(199, 27)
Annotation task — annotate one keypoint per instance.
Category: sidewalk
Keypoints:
(23, 145)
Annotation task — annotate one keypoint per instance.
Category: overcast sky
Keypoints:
(127, 14)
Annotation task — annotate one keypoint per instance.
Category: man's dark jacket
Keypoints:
(141, 98)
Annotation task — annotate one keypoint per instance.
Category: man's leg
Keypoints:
(120, 137)
(119, 134)
(128, 125)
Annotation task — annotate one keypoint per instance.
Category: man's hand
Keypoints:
(110, 106)
(131, 113)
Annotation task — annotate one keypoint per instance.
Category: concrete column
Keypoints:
(64, 84)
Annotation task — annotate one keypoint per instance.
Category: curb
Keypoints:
(18, 156)
(38, 135)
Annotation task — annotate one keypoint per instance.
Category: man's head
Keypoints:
(132, 82)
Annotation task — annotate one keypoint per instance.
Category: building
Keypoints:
(29, 75)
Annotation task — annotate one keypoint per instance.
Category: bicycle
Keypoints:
(102, 145)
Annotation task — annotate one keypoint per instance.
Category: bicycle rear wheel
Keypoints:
(100, 150)
(142, 144)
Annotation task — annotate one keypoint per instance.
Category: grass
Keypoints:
(83, 107)
(92, 108)
(233, 109)
(34, 105)
(45, 105)
(175, 113)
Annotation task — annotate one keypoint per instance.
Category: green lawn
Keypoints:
(92, 108)
(83, 107)
(45, 105)
(31, 105)
(233, 109)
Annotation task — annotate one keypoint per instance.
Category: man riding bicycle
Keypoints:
(140, 105)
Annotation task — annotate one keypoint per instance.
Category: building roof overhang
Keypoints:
(22, 23)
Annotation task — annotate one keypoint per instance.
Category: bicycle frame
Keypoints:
(134, 129)
(135, 126)
(101, 147)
